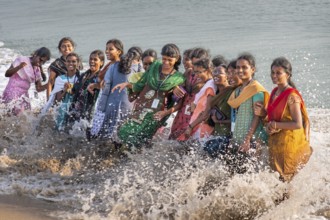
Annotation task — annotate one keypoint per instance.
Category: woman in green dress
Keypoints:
(154, 95)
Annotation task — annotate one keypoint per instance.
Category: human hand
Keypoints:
(120, 86)
(67, 87)
(245, 146)
(21, 65)
(188, 131)
(179, 92)
(90, 88)
(271, 128)
(158, 116)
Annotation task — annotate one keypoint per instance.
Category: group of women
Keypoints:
(129, 98)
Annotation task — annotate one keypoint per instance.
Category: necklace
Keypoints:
(278, 92)
(162, 75)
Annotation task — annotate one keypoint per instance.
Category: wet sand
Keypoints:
(22, 208)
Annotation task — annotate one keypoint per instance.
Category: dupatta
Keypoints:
(276, 108)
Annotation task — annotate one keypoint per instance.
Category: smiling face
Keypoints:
(279, 76)
(112, 53)
(71, 64)
(168, 64)
(220, 76)
(147, 61)
(202, 74)
(66, 48)
(95, 63)
(187, 63)
(233, 78)
(244, 70)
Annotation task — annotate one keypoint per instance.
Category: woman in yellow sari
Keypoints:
(288, 124)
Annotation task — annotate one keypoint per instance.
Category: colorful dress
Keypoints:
(203, 129)
(183, 116)
(155, 95)
(16, 92)
(289, 150)
(83, 101)
(58, 66)
(63, 110)
(222, 132)
(243, 101)
(112, 107)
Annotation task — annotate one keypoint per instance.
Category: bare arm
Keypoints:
(12, 70)
(161, 114)
(295, 112)
(103, 71)
(245, 146)
(203, 116)
(50, 83)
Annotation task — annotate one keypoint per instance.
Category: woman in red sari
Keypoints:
(288, 124)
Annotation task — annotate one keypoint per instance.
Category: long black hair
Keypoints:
(126, 60)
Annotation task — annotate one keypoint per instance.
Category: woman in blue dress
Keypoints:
(112, 108)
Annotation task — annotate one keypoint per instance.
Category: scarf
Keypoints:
(58, 66)
(151, 77)
(275, 109)
(29, 73)
(248, 91)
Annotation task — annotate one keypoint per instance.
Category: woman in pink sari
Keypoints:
(23, 72)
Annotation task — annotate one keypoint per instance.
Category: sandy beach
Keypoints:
(23, 208)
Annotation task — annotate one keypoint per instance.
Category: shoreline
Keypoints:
(24, 208)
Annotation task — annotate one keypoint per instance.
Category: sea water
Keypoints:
(167, 181)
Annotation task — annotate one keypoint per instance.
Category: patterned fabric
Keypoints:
(63, 110)
(58, 66)
(83, 101)
(16, 91)
(113, 107)
(244, 116)
(141, 126)
(135, 134)
(289, 150)
(203, 129)
(183, 116)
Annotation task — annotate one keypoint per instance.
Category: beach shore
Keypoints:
(14, 207)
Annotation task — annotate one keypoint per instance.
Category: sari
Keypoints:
(289, 150)
(16, 92)
(154, 95)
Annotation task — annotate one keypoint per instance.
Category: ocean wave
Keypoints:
(167, 181)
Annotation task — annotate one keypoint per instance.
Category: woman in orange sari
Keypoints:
(288, 124)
